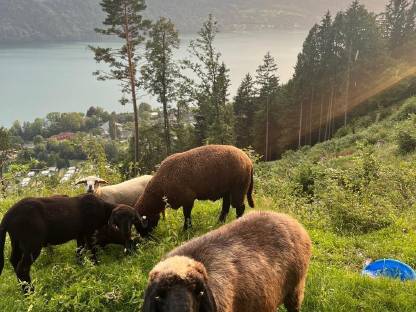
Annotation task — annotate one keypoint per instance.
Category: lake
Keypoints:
(36, 79)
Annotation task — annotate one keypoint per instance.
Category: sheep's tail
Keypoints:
(250, 191)
(2, 242)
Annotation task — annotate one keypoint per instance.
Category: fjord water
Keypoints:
(36, 79)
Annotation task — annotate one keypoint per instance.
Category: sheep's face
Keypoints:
(176, 298)
(178, 284)
(123, 217)
(91, 183)
(91, 186)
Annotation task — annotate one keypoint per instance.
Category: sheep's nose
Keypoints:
(90, 190)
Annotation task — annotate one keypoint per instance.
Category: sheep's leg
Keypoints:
(225, 208)
(293, 300)
(80, 248)
(237, 201)
(23, 272)
(187, 214)
(240, 210)
(93, 248)
(16, 254)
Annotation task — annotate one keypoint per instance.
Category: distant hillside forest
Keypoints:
(51, 20)
(352, 63)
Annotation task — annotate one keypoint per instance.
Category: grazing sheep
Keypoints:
(125, 193)
(121, 219)
(34, 223)
(255, 263)
(205, 173)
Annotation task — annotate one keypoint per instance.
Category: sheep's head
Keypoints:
(123, 217)
(178, 284)
(92, 183)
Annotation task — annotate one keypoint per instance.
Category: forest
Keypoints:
(352, 62)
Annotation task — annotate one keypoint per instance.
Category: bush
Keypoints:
(406, 110)
(406, 142)
(351, 212)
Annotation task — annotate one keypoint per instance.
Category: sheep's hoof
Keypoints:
(222, 219)
(27, 289)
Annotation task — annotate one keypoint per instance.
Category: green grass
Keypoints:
(356, 198)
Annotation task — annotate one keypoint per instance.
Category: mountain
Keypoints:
(51, 20)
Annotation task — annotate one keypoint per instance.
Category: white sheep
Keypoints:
(125, 193)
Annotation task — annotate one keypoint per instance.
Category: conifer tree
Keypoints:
(244, 110)
(210, 88)
(124, 20)
(267, 81)
(395, 23)
(305, 77)
(160, 72)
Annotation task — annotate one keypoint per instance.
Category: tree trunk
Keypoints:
(132, 76)
(267, 129)
(320, 117)
(300, 124)
(347, 87)
(165, 101)
(310, 115)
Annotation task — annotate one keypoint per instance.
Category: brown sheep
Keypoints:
(205, 173)
(255, 263)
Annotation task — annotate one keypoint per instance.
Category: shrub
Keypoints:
(406, 110)
(351, 212)
(406, 142)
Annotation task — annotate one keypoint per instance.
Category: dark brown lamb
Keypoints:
(34, 223)
(209, 172)
(256, 263)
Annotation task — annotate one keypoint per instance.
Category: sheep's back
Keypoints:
(126, 192)
(207, 172)
(258, 258)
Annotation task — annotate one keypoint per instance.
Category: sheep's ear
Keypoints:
(101, 181)
(207, 300)
(81, 181)
(149, 304)
(143, 220)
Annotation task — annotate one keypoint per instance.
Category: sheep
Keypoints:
(125, 193)
(121, 221)
(206, 173)
(34, 223)
(255, 263)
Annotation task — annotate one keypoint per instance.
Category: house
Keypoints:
(63, 136)
(121, 132)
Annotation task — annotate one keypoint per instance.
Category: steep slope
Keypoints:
(355, 194)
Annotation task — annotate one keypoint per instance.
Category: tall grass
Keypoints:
(356, 195)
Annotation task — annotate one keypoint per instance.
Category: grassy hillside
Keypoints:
(356, 195)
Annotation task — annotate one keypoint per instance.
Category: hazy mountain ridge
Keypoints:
(49, 20)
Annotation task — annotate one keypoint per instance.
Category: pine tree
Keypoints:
(357, 39)
(305, 77)
(327, 69)
(222, 130)
(268, 85)
(160, 72)
(410, 29)
(395, 21)
(124, 20)
(244, 110)
(5, 150)
(210, 88)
